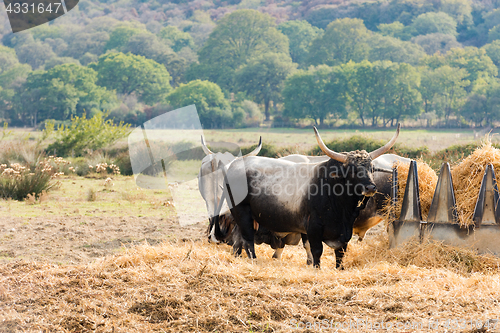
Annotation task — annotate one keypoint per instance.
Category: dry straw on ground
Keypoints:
(199, 287)
(467, 177)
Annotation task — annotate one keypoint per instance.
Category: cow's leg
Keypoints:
(315, 237)
(307, 247)
(237, 246)
(278, 252)
(339, 254)
(243, 216)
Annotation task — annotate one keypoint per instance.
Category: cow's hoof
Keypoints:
(309, 262)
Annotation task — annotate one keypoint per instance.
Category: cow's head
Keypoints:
(210, 182)
(355, 169)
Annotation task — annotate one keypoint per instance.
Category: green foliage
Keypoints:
(429, 23)
(395, 50)
(263, 77)
(394, 29)
(59, 93)
(443, 90)
(383, 91)
(493, 51)
(177, 39)
(87, 134)
(315, 94)
(436, 43)
(128, 73)
(300, 35)
(121, 36)
(267, 150)
(360, 142)
(355, 142)
(454, 153)
(344, 40)
(238, 37)
(412, 153)
(483, 105)
(213, 108)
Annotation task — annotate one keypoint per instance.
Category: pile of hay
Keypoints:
(467, 177)
(427, 180)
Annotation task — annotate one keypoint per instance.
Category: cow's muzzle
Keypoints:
(369, 190)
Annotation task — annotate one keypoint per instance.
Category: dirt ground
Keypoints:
(82, 239)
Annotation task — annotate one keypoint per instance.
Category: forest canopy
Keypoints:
(284, 63)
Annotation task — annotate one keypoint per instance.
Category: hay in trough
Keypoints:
(427, 180)
(467, 177)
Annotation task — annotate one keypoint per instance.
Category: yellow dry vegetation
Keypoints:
(201, 287)
(467, 176)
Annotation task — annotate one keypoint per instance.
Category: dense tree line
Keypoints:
(243, 62)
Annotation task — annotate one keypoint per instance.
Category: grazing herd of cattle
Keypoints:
(319, 199)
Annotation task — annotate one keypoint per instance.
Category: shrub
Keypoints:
(356, 142)
(268, 150)
(84, 134)
(18, 181)
(412, 153)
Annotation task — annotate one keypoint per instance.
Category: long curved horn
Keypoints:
(256, 151)
(330, 153)
(384, 149)
(204, 146)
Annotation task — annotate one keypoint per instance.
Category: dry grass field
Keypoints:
(97, 258)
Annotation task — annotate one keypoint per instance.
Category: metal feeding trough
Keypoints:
(442, 221)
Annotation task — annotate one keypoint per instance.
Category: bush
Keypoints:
(356, 142)
(412, 153)
(268, 150)
(84, 134)
(18, 181)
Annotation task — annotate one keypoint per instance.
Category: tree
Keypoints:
(443, 89)
(436, 42)
(239, 36)
(404, 99)
(87, 42)
(393, 49)
(51, 63)
(176, 39)
(263, 77)
(34, 53)
(121, 36)
(460, 10)
(493, 51)
(60, 93)
(494, 33)
(433, 22)
(483, 105)
(382, 90)
(12, 74)
(395, 29)
(344, 40)
(213, 108)
(128, 73)
(475, 61)
(300, 35)
(316, 94)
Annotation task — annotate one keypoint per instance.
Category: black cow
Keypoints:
(321, 200)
